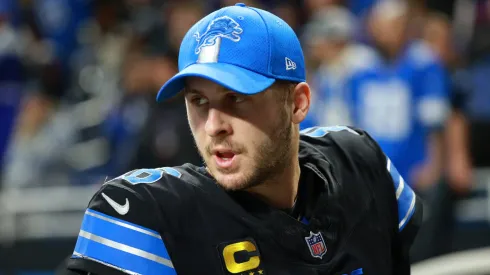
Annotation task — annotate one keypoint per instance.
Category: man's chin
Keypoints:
(230, 181)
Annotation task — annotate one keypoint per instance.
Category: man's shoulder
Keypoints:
(149, 189)
(136, 211)
(351, 154)
(344, 141)
(158, 178)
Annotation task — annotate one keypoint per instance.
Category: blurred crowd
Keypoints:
(78, 81)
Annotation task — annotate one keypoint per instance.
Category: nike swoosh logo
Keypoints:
(121, 209)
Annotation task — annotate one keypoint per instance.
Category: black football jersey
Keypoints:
(354, 215)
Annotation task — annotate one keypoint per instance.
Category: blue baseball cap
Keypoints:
(242, 48)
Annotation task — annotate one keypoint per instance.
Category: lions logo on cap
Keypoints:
(224, 27)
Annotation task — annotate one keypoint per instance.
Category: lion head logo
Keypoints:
(220, 27)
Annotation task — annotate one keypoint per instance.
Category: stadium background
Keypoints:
(78, 80)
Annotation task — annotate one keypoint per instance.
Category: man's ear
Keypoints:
(301, 98)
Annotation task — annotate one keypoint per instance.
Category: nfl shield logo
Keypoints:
(316, 244)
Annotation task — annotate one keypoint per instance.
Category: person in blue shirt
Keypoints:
(330, 40)
(403, 103)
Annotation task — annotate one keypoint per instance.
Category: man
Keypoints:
(330, 39)
(270, 200)
(402, 102)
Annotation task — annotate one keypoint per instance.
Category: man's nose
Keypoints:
(217, 123)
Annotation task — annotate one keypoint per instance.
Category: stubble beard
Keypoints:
(271, 159)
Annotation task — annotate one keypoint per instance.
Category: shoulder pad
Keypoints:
(353, 143)
(147, 176)
(164, 186)
(319, 131)
(344, 136)
(131, 194)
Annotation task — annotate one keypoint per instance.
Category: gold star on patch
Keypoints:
(251, 273)
(261, 272)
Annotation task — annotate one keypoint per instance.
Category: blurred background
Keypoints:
(78, 80)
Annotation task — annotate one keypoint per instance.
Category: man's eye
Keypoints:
(236, 98)
(199, 100)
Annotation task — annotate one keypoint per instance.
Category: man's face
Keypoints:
(244, 140)
(388, 26)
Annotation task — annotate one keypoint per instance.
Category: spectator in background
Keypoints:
(181, 15)
(471, 102)
(360, 8)
(329, 37)
(54, 28)
(289, 12)
(49, 36)
(12, 76)
(437, 32)
(312, 6)
(472, 97)
(59, 22)
(458, 216)
(164, 138)
(404, 103)
(75, 93)
(101, 125)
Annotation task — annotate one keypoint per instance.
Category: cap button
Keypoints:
(240, 5)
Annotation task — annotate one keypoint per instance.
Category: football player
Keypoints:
(269, 199)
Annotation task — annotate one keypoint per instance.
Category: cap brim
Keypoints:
(230, 76)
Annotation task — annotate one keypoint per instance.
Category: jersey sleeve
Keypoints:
(119, 233)
(408, 204)
(399, 199)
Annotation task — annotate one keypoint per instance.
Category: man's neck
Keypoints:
(281, 191)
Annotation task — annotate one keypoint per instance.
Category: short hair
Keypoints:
(283, 89)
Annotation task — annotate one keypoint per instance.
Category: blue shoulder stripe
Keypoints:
(404, 195)
(121, 244)
(119, 231)
(318, 132)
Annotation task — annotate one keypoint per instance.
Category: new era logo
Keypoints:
(290, 65)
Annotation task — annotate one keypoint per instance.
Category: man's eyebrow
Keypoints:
(191, 91)
(187, 91)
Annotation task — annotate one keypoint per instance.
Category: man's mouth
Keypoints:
(224, 158)
(225, 155)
